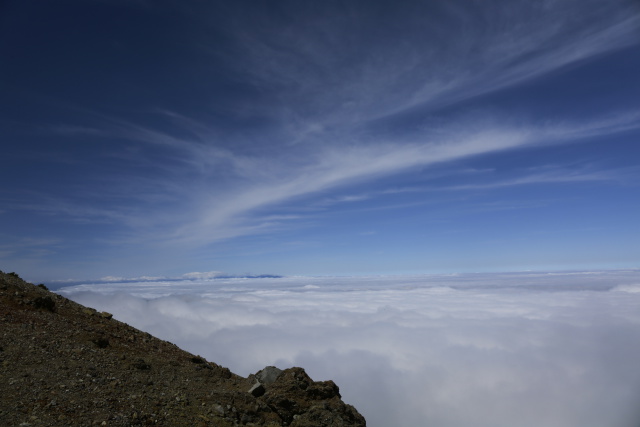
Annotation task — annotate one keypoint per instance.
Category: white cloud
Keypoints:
(525, 349)
(632, 288)
(112, 279)
(202, 275)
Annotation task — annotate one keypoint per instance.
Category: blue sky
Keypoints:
(160, 138)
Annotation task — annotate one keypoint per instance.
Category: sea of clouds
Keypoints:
(482, 350)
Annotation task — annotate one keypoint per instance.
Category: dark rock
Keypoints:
(141, 364)
(46, 303)
(323, 390)
(257, 390)
(101, 342)
(300, 401)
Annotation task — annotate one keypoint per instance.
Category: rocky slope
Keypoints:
(62, 364)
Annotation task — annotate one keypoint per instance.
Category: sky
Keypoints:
(433, 203)
(161, 138)
(451, 350)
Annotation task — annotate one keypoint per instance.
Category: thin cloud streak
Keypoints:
(549, 177)
(257, 183)
(496, 47)
(338, 166)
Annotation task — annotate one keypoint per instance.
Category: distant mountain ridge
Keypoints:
(189, 277)
(64, 364)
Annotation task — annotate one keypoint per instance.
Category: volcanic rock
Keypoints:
(63, 364)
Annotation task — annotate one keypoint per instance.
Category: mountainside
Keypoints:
(64, 364)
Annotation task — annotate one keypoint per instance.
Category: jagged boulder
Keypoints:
(300, 401)
(268, 375)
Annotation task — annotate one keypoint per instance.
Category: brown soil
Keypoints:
(63, 364)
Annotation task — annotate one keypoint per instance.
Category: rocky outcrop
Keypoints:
(62, 364)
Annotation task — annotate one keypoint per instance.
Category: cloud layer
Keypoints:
(525, 349)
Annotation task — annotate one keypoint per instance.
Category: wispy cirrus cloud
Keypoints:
(494, 47)
(224, 214)
(233, 193)
(546, 175)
